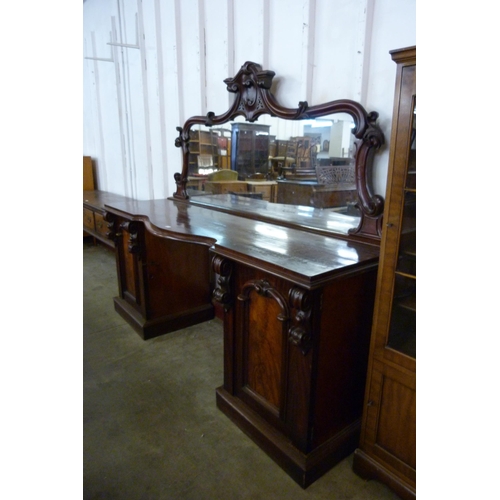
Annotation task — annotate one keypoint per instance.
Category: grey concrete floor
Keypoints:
(151, 427)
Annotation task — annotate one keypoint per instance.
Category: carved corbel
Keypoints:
(132, 228)
(222, 292)
(299, 333)
(111, 233)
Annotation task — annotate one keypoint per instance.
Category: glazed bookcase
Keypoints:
(387, 449)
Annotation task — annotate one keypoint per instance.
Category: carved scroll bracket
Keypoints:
(222, 292)
(300, 333)
(265, 289)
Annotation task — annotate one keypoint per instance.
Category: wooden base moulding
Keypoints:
(368, 468)
(301, 467)
(149, 329)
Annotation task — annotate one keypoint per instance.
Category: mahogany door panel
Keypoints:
(127, 254)
(390, 433)
(272, 375)
(263, 345)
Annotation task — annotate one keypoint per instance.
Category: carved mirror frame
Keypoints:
(253, 98)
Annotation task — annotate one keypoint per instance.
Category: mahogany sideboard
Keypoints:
(297, 315)
(296, 284)
(160, 290)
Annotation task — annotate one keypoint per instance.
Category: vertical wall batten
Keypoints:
(120, 104)
(266, 34)
(366, 53)
(102, 150)
(180, 74)
(161, 91)
(131, 165)
(361, 47)
(145, 94)
(202, 42)
(310, 60)
(230, 45)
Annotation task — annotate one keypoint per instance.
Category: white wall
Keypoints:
(175, 55)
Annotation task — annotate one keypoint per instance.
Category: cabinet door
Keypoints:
(128, 246)
(271, 361)
(390, 431)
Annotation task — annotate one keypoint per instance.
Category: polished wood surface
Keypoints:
(387, 449)
(325, 222)
(285, 251)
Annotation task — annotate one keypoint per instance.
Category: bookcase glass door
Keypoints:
(402, 330)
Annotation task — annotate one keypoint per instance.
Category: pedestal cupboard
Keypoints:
(387, 449)
(164, 281)
(296, 342)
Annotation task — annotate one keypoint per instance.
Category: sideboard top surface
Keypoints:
(307, 258)
(321, 221)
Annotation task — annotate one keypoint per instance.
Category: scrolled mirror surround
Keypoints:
(253, 98)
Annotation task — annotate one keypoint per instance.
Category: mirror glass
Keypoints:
(273, 165)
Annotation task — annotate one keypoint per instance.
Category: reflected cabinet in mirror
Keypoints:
(309, 167)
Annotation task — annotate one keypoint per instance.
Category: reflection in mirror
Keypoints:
(303, 162)
(262, 160)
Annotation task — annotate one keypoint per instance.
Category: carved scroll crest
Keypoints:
(253, 98)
